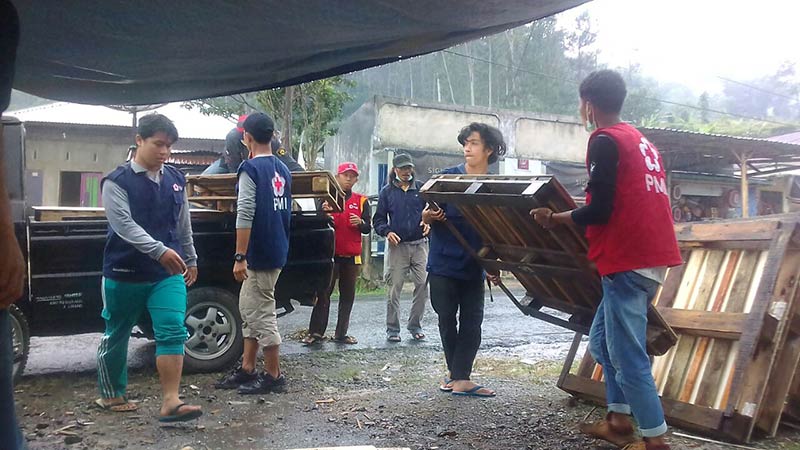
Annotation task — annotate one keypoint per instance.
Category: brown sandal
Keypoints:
(312, 339)
(350, 340)
(117, 407)
(603, 430)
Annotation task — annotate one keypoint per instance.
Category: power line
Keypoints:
(756, 88)
(576, 83)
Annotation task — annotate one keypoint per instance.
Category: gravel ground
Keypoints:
(380, 397)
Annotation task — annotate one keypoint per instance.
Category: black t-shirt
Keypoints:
(9, 38)
(603, 162)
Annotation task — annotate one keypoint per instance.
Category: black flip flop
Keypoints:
(175, 417)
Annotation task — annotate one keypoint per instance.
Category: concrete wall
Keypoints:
(54, 148)
(383, 125)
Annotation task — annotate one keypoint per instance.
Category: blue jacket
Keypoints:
(447, 257)
(156, 208)
(403, 210)
(269, 236)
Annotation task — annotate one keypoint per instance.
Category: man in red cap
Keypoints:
(349, 224)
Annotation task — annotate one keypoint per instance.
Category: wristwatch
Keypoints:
(239, 257)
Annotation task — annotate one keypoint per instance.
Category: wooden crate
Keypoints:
(552, 265)
(734, 305)
(219, 191)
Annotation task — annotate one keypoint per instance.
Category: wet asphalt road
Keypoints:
(506, 331)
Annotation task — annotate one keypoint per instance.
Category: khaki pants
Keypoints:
(405, 257)
(257, 307)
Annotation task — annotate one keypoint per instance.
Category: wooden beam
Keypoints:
(723, 325)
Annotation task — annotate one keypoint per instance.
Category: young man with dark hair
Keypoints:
(148, 263)
(349, 225)
(398, 218)
(263, 214)
(632, 241)
(456, 279)
(12, 270)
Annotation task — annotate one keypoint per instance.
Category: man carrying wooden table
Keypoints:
(631, 238)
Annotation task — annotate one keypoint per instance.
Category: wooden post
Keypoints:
(744, 188)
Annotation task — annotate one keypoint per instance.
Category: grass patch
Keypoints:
(541, 372)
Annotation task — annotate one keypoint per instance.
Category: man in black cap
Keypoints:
(236, 152)
(263, 213)
(398, 217)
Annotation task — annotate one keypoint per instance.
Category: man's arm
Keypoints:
(118, 212)
(245, 213)
(379, 220)
(603, 162)
(366, 215)
(185, 233)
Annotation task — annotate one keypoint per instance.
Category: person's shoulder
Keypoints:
(117, 173)
(175, 172)
(452, 170)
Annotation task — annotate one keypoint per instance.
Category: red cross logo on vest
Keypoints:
(278, 185)
(650, 155)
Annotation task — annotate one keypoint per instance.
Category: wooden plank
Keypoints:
(768, 275)
(727, 231)
(723, 325)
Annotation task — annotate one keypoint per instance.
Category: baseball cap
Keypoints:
(260, 126)
(402, 160)
(347, 167)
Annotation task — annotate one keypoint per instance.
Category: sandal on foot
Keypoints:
(603, 430)
(393, 338)
(475, 392)
(350, 340)
(312, 339)
(125, 406)
(445, 385)
(174, 416)
(418, 336)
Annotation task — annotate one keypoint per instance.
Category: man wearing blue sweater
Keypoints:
(398, 218)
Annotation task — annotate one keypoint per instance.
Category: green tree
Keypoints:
(316, 108)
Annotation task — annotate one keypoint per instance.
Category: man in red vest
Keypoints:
(631, 238)
(349, 225)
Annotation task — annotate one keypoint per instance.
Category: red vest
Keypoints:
(640, 233)
(348, 237)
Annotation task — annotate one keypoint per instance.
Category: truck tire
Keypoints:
(215, 330)
(20, 341)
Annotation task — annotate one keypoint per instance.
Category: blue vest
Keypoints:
(269, 237)
(156, 209)
(447, 257)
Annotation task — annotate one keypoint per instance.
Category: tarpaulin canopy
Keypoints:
(134, 52)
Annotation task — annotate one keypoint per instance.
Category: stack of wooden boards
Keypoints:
(551, 264)
(734, 305)
(219, 191)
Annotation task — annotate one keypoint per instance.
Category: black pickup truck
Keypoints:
(64, 255)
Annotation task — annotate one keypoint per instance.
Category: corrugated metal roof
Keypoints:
(190, 123)
(790, 138)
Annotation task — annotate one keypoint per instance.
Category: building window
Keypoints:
(95, 157)
(383, 173)
(68, 155)
(35, 154)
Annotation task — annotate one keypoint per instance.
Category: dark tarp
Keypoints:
(135, 52)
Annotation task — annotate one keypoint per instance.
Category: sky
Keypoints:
(693, 42)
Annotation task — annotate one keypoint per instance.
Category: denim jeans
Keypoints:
(10, 435)
(618, 340)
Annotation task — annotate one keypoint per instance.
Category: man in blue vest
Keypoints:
(148, 263)
(263, 213)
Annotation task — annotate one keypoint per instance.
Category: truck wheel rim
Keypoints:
(17, 344)
(212, 331)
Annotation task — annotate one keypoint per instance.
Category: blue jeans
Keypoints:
(10, 435)
(618, 341)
